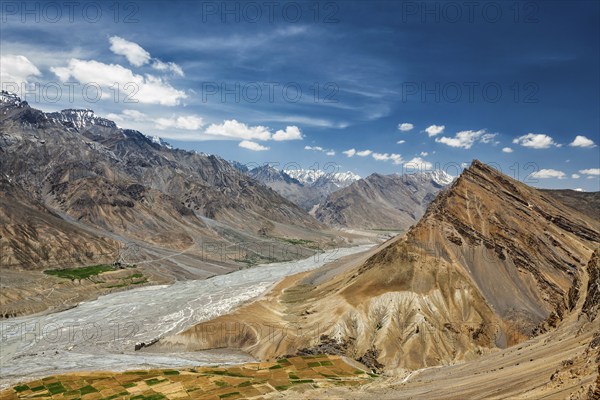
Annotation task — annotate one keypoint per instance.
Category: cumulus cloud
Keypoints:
(315, 148)
(189, 122)
(582, 141)
(424, 154)
(138, 56)
(507, 150)
(349, 153)
(247, 144)
(16, 70)
(434, 130)
(134, 53)
(405, 127)
(466, 139)
(590, 171)
(320, 149)
(536, 141)
(578, 189)
(233, 129)
(128, 115)
(419, 164)
(575, 176)
(290, 133)
(363, 153)
(395, 158)
(146, 89)
(401, 141)
(548, 173)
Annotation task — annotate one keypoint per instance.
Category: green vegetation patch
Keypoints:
(80, 273)
(244, 384)
(88, 389)
(154, 381)
(302, 381)
(21, 388)
(171, 372)
(276, 367)
(281, 388)
(223, 396)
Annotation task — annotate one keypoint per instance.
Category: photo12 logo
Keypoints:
(471, 12)
(252, 12)
(469, 92)
(69, 11)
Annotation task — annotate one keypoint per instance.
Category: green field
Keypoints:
(81, 273)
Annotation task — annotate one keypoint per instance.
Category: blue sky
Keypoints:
(329, 84)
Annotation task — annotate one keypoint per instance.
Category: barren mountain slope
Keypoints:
(382, 201)
(75, 180)
(489, 265)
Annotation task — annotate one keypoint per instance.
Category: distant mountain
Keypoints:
(383, 201)
(584, 202)
(491, 263)
(306, 188)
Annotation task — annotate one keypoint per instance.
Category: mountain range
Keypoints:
(306, 188)
(392, 202)
(491, 263)
(78, 190)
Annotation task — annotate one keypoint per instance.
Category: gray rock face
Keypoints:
(382, 201)
(306, 188)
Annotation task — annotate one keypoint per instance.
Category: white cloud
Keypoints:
(548, 173)
(238, 130)
(315, 148)
(424, 154)
(396, 158)
(138, 56)
(419, 164)
(575, 176)
(363, 153)
(128, 115)
(246, 144)
(434, 130)
(578, 189)
(582, 141)
(536, 141)
(290, 133)
(405, 127)
(466, 139)
(167, 66)
(134, 53)
(507, 150)
(590, 171)
(349, 153)
(401, 141)
(16, 70)
(189, 122)
(148, 89)
(322, 150)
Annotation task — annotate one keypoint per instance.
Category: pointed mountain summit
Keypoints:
(489, 265)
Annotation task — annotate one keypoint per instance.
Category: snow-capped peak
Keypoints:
(80, 118)
(9, 98)
(312, 176)
(441, 177)
(156, 139)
